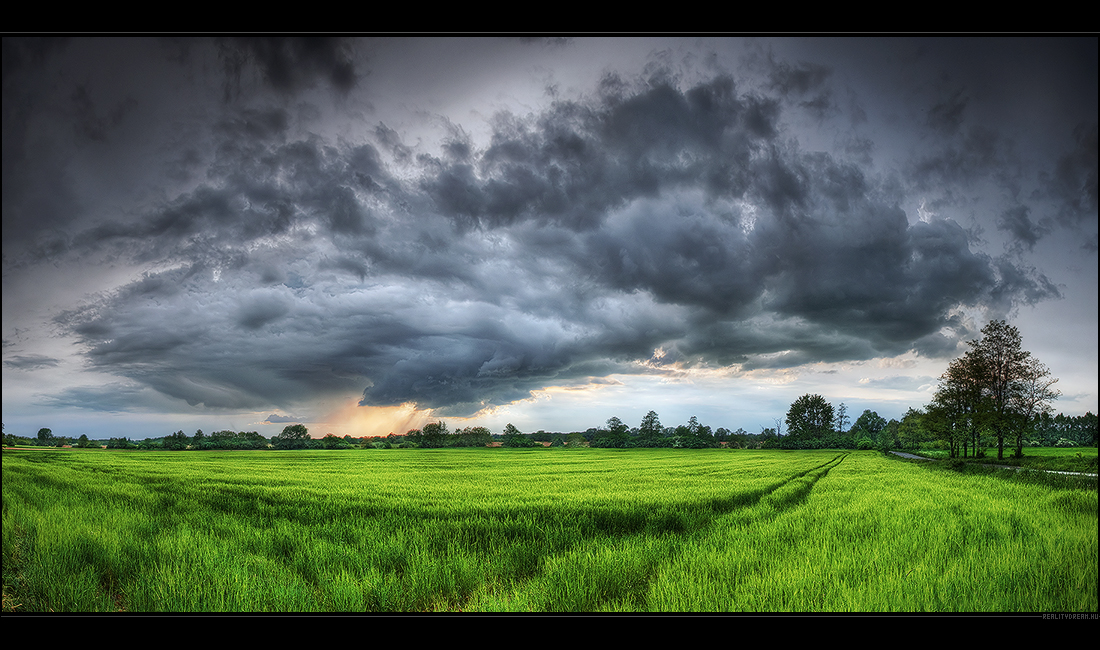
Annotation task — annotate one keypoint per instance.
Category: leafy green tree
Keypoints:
(996, 385)
(434, 435)
(767, 438)
(176, 441)
(693, 435)
(475, 437)
(618, 434)
(542, 436)
(513, 437)
(650, 431)
(293, 436)
(1032, 398)
(333, 441)
(869, 425)
(45, 436)
(1002, 363)
(888, 438)
(739, 439)
(841, 418)
(575, 439)
(910, 431)
(810, 417)
(413, 437)
(960, 400)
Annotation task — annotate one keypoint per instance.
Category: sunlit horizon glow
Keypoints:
(367, 234)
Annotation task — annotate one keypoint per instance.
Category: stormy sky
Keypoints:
(362, 234)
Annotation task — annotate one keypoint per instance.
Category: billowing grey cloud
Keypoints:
(289, 63)
(113, 397)
(578, 241)
(1074, 179)
(947, 115)
(1018, 223)
(31, 361)
(280, 419)
(566, 240)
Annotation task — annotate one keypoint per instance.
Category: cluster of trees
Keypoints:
(997, 393)
(995, 388)
(179, 441)
(1064, 431)
(435, 435)
(45, 438)
(650, 433)
(615, 434)
(920, 427)
(813, 423)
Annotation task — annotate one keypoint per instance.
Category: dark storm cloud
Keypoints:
(280, 419)
(114, 397)
(1025, 232)
(89, 123)
(805, 84)
(577, 161)
(798, 79)
(1073, 182)
(571, 244)
(972, 154)
(31, 362)
(29, 52)
(947, 115)
(289, 63)
(259, 185)
(261, 308)
(1020, 285)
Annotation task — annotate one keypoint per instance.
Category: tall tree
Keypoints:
(870, 423)
(176, 441)
(434, 435)
(513, 437)
(1032, 398)
(958, 404)
(996, 385)
(1005, 368)
(911, 432)
(650, 431)
(841, 418)
(475, 437)
(810, 417)
(293, 436)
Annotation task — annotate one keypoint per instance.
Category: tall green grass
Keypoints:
(535, 530)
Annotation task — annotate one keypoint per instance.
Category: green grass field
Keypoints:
(537, 530)
(1071, 459)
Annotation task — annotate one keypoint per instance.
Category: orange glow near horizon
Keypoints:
(359, 421)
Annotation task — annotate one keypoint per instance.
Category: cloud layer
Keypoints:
(649, 213)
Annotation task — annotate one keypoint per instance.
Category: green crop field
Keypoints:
(537, 530)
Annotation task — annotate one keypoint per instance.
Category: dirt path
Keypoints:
(910, 456)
